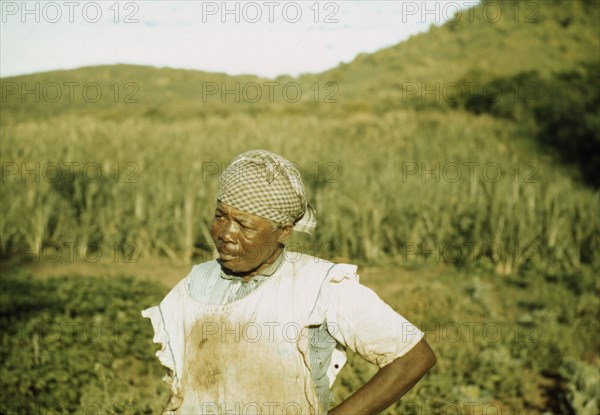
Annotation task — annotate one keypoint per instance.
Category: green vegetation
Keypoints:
(79, 345)
(486, 189)
(564, 108)
(452, 184)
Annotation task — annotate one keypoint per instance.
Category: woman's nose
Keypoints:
(228, 231)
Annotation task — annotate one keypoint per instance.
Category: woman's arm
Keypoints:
(390, 383)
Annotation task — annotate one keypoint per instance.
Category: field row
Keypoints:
(436, 187)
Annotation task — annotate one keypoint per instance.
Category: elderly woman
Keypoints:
(262, 330)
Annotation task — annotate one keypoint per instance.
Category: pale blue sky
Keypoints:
(270, 37)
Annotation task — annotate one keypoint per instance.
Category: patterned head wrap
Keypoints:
(267, 185)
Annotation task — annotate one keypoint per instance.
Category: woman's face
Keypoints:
(245, 242)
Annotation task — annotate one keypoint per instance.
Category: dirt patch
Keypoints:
(386, 280)
(163, 271)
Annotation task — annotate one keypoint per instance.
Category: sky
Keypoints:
(265, 38)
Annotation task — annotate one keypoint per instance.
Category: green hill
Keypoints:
(495, 39)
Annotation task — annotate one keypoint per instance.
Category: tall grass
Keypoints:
(384, 187)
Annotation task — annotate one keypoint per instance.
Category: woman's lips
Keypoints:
(227, 255)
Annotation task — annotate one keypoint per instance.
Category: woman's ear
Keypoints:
(285, 233)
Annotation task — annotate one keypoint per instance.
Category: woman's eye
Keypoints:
(246, 227)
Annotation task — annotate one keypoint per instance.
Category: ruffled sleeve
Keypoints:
(359, 319)
(168, 322)
(165, 355)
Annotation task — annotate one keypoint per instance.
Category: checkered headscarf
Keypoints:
(267, 185)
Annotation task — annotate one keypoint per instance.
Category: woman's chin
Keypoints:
(233, 264)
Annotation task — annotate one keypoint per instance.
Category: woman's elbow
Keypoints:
(428, 357)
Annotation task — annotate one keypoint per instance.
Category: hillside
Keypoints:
(492, 40)
(497, 38)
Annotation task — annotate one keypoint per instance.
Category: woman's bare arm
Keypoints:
(390, 383)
